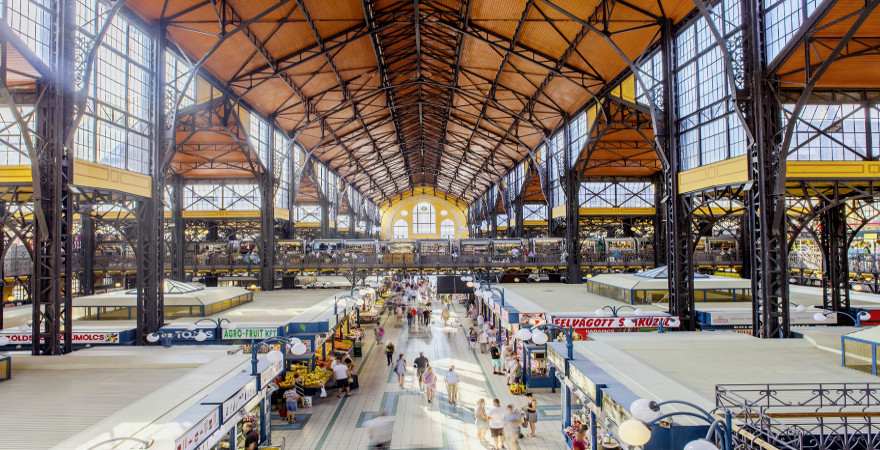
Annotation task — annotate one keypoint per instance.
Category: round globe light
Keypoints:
(644, 410)
(470, 284)
(443, 212)
(523, 334)
(151, 338)
(674, 322)
(201, 336)
(274, 356)
(299, 349)
(819, 317)
(293, 341)
(540, 338)
(404, 213)
(634, 433)
(864, 315)
(629, 323)
(700, 444)
(4, 341)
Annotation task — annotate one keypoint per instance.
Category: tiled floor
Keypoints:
(337, 424)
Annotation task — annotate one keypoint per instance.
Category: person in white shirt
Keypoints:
(452, 386)
(340, 374)
(483, 340)
(496, 423)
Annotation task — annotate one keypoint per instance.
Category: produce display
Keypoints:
(343, 345)
(517, 389)
(311, 378)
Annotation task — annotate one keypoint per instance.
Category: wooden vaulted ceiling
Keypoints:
(398, 94)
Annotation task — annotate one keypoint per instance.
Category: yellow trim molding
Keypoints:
(729, 171)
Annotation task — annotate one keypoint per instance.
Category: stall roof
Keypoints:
(636, 282)
(808, 295)
(679, 366)
(559, 298)
(174, 297)
(272, 308)
(871, 334)
(98, 393)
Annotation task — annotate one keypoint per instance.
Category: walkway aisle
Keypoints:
(337, 424)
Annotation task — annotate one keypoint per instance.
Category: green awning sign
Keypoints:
(249, 333)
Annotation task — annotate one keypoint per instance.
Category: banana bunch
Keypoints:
(313, 378)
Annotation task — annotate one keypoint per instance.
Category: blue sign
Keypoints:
(183, 335)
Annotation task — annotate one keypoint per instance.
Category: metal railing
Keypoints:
(803, 416)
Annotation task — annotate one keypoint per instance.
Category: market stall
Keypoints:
(240, 402)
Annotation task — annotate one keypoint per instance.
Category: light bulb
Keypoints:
(523, 334)
(152, 338)
(634, 433)
(201, 336)
(819, 317)
(539, 337)
(700, 444)
(274, 356)
(644, 410)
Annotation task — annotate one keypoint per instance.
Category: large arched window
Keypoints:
(423, 219)
(400, 230)
(447, 229)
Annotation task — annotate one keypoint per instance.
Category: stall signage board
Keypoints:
(198, 432)
(237, 401)
(532, 319)
(184, 335)
(610, 323)
(271, 371)
(556, 359)
(249, 333)
(79, 337)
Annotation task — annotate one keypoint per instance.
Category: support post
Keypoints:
(678, 247)
(2, 263)
(267, 232)
(659, 223)
(518, 207)
(765, 201)
(178, 237)
(87, 250)
(572, 212)
(148, 279)
(52, 323)
(835, 278)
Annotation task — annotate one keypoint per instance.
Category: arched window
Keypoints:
(400, 230)
(447, 229)
(423, 219)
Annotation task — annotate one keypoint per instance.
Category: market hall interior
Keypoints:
(636, 224)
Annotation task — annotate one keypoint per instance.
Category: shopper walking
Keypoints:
(496, 424)
(445, 316)
(496, 360)
(400, 370)
(389, 352)
(426, 315)
(483, 339)
(452, 386)
(421, 363)
(291, 400)
(531, 413)
(340, 374)
(429, 380)
(410, 317)
(512, 422)
(481, 419)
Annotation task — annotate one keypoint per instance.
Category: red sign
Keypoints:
(79, 337)
(582, 325)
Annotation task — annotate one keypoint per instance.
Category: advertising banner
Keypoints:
(256, 333)
(583, 325)
(79, 337)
